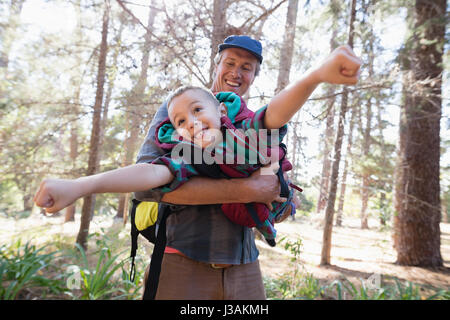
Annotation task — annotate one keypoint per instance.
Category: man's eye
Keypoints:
(197, 109)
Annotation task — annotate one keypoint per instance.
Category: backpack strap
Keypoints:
(134, 237)
(283, 183)
(158, 251)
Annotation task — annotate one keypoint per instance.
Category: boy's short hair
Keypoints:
(179, 91)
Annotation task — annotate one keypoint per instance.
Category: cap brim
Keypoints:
(226, 46)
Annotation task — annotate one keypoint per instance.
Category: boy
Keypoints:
(240, 154)
(198, 118)
(55, 194)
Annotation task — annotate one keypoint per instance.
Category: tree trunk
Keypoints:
(328, 143)
(348, 156)
(76, 82)
(287, 48)
(88, 203)
(7, 33)
(384, 216)
(398, 172)
(329, 212)
(218, 33)
(418, 238)
(382, 207)
(134, 103)
(367, 138)
(329, 131)
(365, 173)
(284, 68)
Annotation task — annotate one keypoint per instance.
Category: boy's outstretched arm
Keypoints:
(340, 67)
(56, 194)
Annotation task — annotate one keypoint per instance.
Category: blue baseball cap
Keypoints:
(244, 42)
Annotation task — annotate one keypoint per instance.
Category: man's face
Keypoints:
(195, 117)
(235, 71)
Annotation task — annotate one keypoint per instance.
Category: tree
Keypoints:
(7, 33)
(88, 201)
(347, 159)
(330, 115)
(135, 101)
(417, 238)
(287, 48)
(329, 212)
(76, 82)
(218, 32)
(366, 132)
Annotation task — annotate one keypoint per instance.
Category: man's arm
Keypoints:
(340, 67)
(263, 188)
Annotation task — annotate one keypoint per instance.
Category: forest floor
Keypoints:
(356, 254)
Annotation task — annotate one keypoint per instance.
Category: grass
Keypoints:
(298, 284)
(50, 267)
(23, 267)
(31, 272)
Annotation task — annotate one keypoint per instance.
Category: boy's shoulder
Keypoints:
(237, 109)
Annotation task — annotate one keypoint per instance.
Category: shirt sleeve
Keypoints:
(180, 169)
(256, 122)
(149, 152)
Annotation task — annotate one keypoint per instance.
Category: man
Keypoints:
(207, 256)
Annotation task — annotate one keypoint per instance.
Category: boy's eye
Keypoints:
(197, 109)
(180, 122)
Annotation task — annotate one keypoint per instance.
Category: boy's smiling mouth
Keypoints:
(199, 134)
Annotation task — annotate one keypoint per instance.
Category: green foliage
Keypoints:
(22, 267)
(307, 287)
(29, 271)
(96, 282)
(294, 247)
(303, 285)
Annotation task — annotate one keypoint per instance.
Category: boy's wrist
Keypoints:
(84, 186)
(315, 76)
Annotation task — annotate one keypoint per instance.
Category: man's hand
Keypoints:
(56, 194)
(340, 67)
(264, 186)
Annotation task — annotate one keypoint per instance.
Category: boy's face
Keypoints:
(196, 118)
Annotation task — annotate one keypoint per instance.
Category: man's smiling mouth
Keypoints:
(232, 83)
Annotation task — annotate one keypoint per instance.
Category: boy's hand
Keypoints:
(340, 67)
(56, 194)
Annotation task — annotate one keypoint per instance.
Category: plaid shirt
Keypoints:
(238, 155)
(202, 232)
